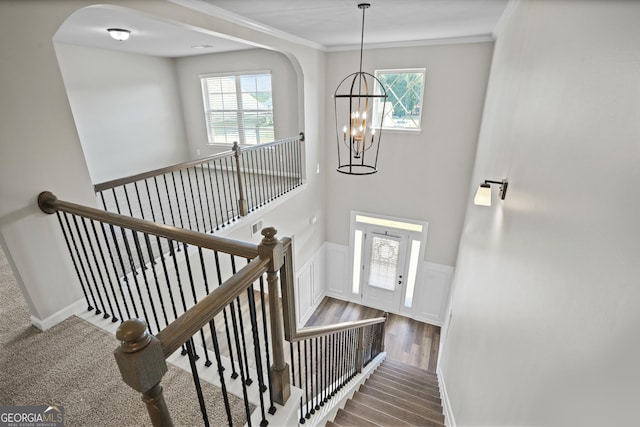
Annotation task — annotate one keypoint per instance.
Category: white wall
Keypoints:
(283, 82)
(46, 154)
(126, 108)
(545, 306)
(421, 176)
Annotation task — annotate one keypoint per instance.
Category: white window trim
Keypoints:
(204, 96)
(424, 80)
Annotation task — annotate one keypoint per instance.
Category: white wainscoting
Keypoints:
(309, 286)
(328, 273)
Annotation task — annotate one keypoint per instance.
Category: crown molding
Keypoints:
(482, 38)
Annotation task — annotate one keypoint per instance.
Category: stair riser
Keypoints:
(383, 386)
(423, 409)
(406, 376)
(407, 386)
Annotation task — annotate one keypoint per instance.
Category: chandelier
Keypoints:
(357, 130)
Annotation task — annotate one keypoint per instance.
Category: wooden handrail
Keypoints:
(49, 203)
(189, 323)
(317, 331)
(299, 137)
(150, 174)
(291, 332)
(107, 185)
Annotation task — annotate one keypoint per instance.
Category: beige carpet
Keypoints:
(72, 365)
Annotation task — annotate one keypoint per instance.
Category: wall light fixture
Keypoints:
(483, 195)
(119, 34)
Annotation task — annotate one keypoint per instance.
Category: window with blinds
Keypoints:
(238, 108)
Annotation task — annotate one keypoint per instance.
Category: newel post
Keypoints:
(142, 364)
(242, 202)
(360, 351)
(271, 248)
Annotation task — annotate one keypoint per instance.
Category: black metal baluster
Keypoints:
(166, 188)
(302, 418)
(136, 242)
(213, 201)
(115, 269)
(224, 172)
(249, 381)
(157, 282)
(272, 408)
(206, 197)
(318, 381)
(273, 175)
(256, 349)
(124, 273)
(82, 265)
(327, 364)
(134, 275)
(167, 280)
(207, 362)
(105, 314)
(223, 386)
(233, 188)
(179, 208)
(293, 364)
(234, 373)
(179, 281)
(280, 163)
(306, 380)
(242, 373)
(196, 380)
(334, 376)
(186, 202)
(221, 201)
(262, 168)
(313, 409)
(73, 259)
(193, 288)
(106, 270)
(193, 199)
(323, 369)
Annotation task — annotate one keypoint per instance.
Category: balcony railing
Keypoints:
(206, 296)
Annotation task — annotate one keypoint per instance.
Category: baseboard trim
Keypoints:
(59, 316)
(449, 419)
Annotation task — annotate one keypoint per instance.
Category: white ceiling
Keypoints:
(325, 24)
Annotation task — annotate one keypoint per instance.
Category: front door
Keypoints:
(383, 269)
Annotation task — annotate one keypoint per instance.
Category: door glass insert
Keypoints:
(383, 267)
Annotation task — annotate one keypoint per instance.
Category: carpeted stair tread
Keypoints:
(388, 408)
(425, 409)
(374, 415)
(385, 386)
(424, 392)
(408, 377)
(346, 419)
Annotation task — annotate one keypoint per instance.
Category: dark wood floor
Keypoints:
(406, 340)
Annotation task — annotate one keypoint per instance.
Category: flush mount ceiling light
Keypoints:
(119, 34)
(358, 143)
(483, 195)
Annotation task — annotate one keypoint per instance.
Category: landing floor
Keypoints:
(406, 340)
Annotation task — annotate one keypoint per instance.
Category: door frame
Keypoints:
(415, 230)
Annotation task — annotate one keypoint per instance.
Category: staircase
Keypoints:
(395, 394)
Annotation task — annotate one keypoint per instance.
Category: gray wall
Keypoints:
(127, 110)
(421, 176)
(546, 295)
